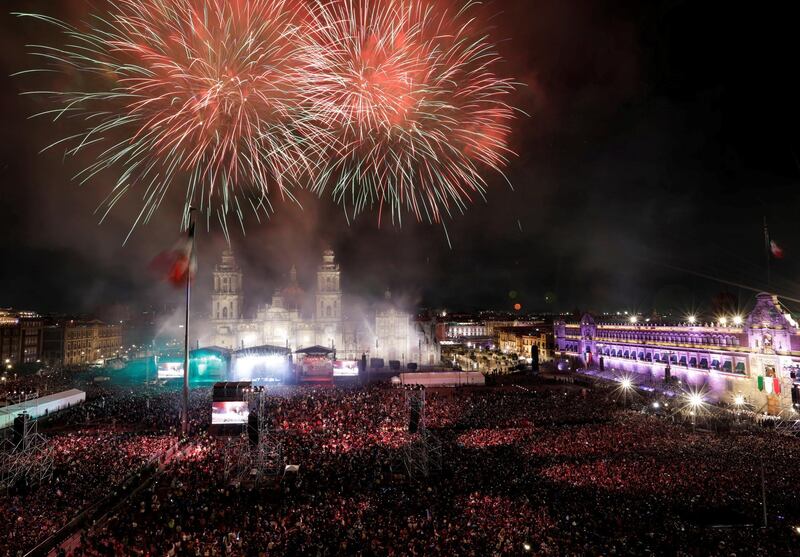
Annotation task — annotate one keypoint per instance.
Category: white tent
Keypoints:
(443, 378)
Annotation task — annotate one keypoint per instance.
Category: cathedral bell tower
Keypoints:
(328, 301)
(227, 300)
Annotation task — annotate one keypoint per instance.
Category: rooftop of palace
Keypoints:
(647, 326)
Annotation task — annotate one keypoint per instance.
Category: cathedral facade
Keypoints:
(390, 333)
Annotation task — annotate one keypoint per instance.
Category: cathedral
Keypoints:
(391, 333)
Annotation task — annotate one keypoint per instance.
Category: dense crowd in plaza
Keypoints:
(544, 470)
(87, 466)
(14, 387)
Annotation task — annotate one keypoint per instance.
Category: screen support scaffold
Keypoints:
(246, 461)
(26, 458)
(423, 454)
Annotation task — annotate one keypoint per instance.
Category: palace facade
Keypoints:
(756, 357)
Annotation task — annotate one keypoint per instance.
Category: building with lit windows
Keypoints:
(520, 340)
(483, 333)
(76, 342)
(461, 331)
(20, 337)
(754, 357)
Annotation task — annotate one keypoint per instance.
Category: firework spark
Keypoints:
(409, 90)
(189, 92)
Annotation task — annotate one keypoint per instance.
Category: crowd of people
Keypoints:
(94, 447)
(86, 466)
(542, 471)
(546, 470)
(17, 387)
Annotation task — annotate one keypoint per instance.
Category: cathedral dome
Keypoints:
(293, 295)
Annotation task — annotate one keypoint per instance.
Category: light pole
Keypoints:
(627, 387)
(185, 409)
(739, 402)
(695, 403)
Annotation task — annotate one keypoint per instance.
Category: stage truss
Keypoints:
(27, 462)
(247, 463)
(423, 454)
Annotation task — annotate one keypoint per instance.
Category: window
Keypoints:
(225, 313)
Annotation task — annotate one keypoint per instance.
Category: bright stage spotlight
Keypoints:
(260, 367)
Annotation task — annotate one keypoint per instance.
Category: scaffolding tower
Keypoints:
(423, 454)
(26, 458)
(248, 462)
(235, 452)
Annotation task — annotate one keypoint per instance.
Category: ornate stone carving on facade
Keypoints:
(769, 314)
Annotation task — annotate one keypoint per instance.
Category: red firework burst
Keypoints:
(408, 89)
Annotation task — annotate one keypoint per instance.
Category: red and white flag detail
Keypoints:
(178, 264)
(776, 250)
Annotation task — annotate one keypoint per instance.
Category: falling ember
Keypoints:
(409, 91)
(185, 92)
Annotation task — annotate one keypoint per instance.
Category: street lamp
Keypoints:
(695, 402)
(737, 319)
(626, 387)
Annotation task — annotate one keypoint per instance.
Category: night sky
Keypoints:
(659, 135)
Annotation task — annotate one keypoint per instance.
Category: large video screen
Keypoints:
(317, 366)
(345, 368)
(229, 413)
(170, 370)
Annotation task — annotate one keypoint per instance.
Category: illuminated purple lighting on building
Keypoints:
(756, 358)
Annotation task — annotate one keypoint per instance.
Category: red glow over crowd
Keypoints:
(539, 471)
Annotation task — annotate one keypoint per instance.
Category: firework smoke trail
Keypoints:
(409, 91)
(194, 93)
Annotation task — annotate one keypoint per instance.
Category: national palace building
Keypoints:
(756, 356)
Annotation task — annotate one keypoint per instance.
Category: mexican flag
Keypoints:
(772, 385)
(178, 264)
(776, 250)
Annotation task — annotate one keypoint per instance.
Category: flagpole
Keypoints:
(766, 250)
(185, 409)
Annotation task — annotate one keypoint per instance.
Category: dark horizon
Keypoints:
(659, 137)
